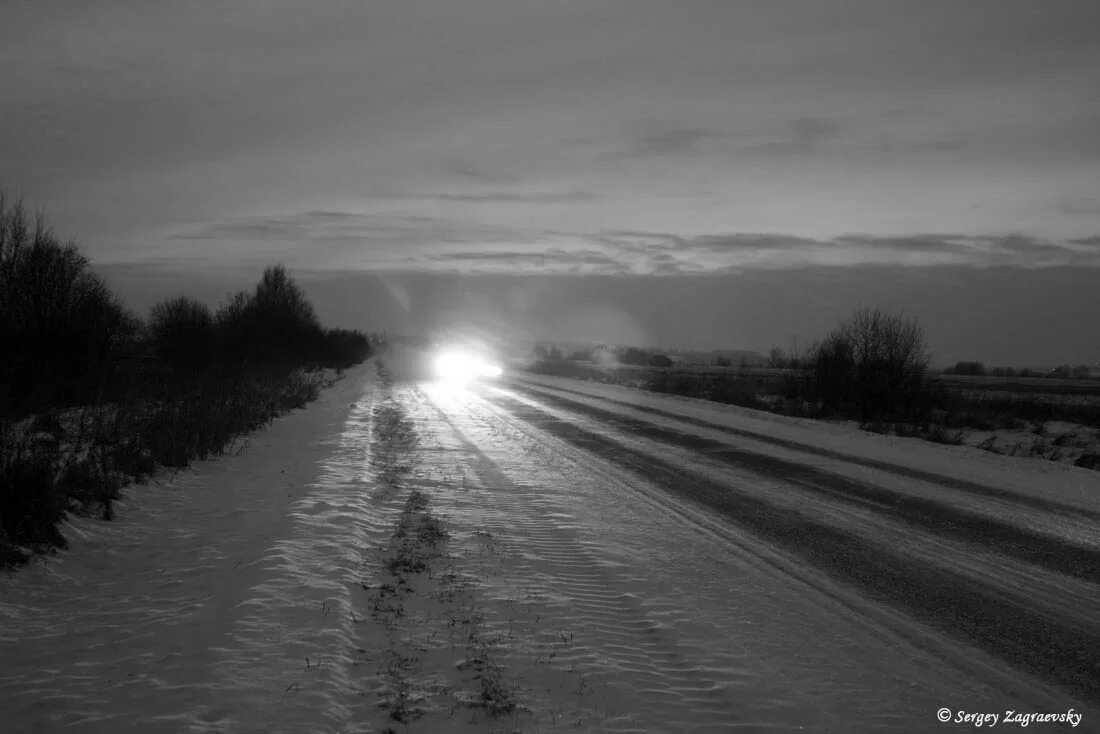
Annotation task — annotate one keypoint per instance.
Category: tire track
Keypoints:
(975, 488)
(613, 643)
(1052, 595)
(1064, 654)
(752, 616)
(935, 517)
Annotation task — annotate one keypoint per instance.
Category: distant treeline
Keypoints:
(634, 356)
(93, 396)
(978, 369)
(873, 367)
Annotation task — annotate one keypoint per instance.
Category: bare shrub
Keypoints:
(938, 435)
(874, 364)
(31, 505)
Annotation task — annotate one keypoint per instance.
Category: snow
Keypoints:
(1044, 479)
(205, 595)
(243, 595)
(783, 645)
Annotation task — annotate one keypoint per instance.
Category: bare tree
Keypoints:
(59, 323)
(875, 362)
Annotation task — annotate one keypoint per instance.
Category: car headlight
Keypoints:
(455, 365)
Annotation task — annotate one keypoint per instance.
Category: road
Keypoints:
(603, 562)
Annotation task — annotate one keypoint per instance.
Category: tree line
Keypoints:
(92, 396)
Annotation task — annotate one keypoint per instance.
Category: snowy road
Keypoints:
(620, 561)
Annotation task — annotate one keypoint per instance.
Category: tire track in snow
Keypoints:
(628, 659)
(974, 488)
(1033, 547)
(1065, 655)
(1026, 584)
(1049, 594)
(791, 648)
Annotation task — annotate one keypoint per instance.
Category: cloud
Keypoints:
(554, 260)
(665, 140)
(771, 251)
(335, 240)
(749, 242)
(498, 197)
(466, 171)
(782, 136)
(799, 135)
(638, 241)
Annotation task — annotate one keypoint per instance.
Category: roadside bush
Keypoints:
(89, 486)
(875, 427)
(736, 391)
(203, 424)
(130, 458)
(873, 364)
(677, 383)
(31, 504)
(182, 333)
(938, 435)
(1088, 461)
(343, 348)
(48, 422)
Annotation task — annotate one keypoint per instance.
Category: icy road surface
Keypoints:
(610, 560)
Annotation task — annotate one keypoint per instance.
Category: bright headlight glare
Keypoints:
(457, 366)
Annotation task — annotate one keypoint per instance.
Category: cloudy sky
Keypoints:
(692, 173)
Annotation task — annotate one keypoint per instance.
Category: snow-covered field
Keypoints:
(583, 579)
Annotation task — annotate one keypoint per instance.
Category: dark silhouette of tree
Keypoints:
(874, 363)
(976, 369)
(182, 331)
(634, 356)
(59, 323)
(274, 327)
